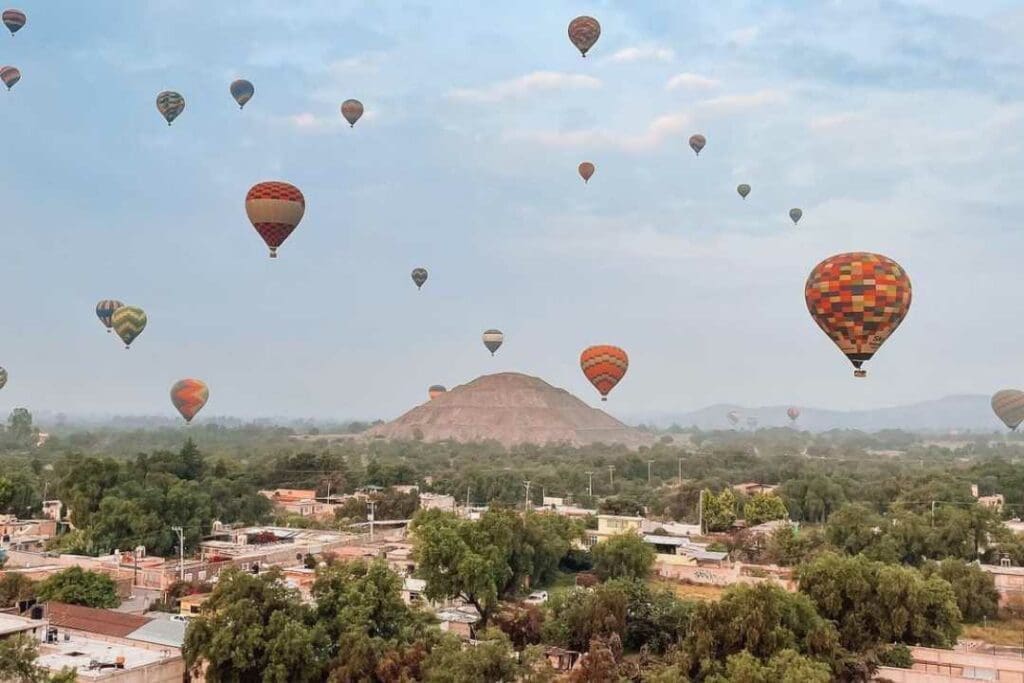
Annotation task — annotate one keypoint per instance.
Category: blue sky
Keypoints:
(896, 126)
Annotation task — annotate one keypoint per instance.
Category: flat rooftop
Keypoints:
(78, 652)
(10, 623)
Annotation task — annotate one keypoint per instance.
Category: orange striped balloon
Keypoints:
(189, 396)
(604, 366)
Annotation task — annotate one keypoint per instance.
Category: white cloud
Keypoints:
(727, 104)
(691, 81)
(642, 53)
(524, 85)
(833, 121)
(316, 123)
(657, 131)
(744, 36)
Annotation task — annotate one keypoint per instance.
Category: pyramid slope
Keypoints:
(510, 408)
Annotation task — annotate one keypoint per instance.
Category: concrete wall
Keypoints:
(716, 576)
(172, 671)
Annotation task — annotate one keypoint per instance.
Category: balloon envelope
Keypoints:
(242, 90)
(3, 378)
(1008, 405)
(10, 75)
(743, 189)
(584, 32)
(275, 209)
(128, 322)
(189, 396)
(14, 20)
(604, 366)
(105, 309)
(436, 390)
(493, 339)
(351, 110)
(858, 299)
(733, 417)
(697, 143)
(793, 413)
(586, 170)
(795, 215)
(170, 104)
(419, 276)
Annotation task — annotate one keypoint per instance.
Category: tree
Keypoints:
(788, 547)
(975, 589)
(785, 666)
(522, 625)
(20, 430)
(18, 656)
(720, 510)
(491, 659)
(578, 616)
(76, 586)
(15, 588)
(483, 562)
(764, 507)
(623, 556)
(256, 628)
(853, 528)
(601, 662)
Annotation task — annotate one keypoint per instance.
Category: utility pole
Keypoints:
(611, 475)
(700, 512)
(527, 485)
(181, 551)
(680, 471)
(372, 504)
(649, 472)
(467, 501)
(590, 484)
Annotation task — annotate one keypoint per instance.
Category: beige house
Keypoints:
(611, 525)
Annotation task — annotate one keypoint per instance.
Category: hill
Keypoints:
(510, 408)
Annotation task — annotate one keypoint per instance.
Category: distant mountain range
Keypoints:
(968, 412)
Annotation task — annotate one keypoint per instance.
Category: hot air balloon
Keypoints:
(9, 75)
(586, 170)
(793, 413)
(858, 299)
(352, 110)
(743, 189)
(604, 366)
(1008, 405)
(189, 396)
(697, 143)
(584, 32)
(795, 215)
(3, 378)
(275, 209)
(493, 340)
(752, 422)
(733, 417)
(170, 104)
(419, 276)
(105, 309)
(242, 90)
(14, 20)
(436, 390)
(128, 322)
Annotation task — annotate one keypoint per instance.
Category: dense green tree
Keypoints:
(600, 664)
(975, 590)
(764, 507)
(20, 431)
(719, 510)
(77, 586)
(491, 659)
(785, 666)
(579, 615)
(18, 655)
(788, 546)
(15, 588)
(621, 556)
(254, 628)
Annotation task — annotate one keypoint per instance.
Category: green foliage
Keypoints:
(15, 588)
(764, 507)
(20, 432)
(623, 556)
(897, 655)
(785, 666)
(719, 510)
(76, 586)
(874, 603)
(788, 547)
(18, 655)
(492, 659)
(976, 594)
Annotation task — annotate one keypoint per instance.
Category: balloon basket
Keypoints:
(860, 373)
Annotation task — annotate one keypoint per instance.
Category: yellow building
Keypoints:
(190, 604)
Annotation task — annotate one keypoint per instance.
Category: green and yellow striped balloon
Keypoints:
(128, 322)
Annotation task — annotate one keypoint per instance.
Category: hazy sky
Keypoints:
(896, 126)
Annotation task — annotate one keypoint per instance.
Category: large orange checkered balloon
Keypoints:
(189, 396)
(858, 300)
(604, 366)
(274, 209)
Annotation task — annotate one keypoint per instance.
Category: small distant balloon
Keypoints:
(584, 32)
(697, 143)
(3, 378)
(752, 422)
(493, 339)
(10, 75)
(242, 90)
(14, 20)
(351, 110)
(275, 209)
(1008, 405)
(795, 215)
(419, 276)
(170, 105)
(436, 390)
(105, 310)
(733, 417)
(586, 170)
(793, 413)
(604, 366)
(743, 189)
(128, 322)
(189, 396)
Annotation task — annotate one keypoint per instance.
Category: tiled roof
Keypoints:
(100, 621)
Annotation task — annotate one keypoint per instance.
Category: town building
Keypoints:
(11, 626)
(191, 605)
(1009, 581)
(750, 488)
(932, 665)
(611, 525)
(437, 501)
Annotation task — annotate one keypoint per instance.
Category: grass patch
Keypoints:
(997, 632)
(689, 591)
